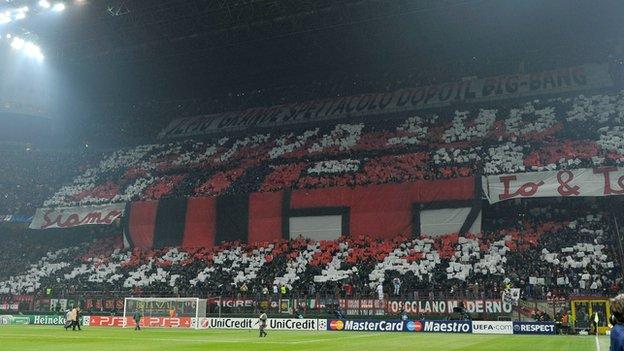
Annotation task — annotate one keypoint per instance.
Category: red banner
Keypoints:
(104, 304)
(106, 321)
(11, 302)
(154, 322)
(604, 181)
(6, 306)
(384, 210)
(68, 217)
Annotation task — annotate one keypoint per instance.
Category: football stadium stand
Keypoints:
(232, 215)
(536, 135)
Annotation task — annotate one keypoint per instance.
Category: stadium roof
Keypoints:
(182, 47)
(126, 51)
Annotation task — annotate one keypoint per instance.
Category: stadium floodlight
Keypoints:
(30, 48)
(18, 43)
(37, 54)
(58, 7)
(44, 4)
(33, 50)
(5, 17)
(20, 13)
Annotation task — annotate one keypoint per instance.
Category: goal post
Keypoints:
(215, 305)
(165, 312)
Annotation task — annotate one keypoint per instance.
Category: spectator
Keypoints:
(396, 282)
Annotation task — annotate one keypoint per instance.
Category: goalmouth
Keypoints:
(164, 312)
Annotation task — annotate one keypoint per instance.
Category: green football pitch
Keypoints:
(45, 338)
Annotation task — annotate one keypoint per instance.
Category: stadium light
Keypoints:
(5, 17)
(30, 49)
(17, 43)
(38, 55)
(44, 4)
(58, 7)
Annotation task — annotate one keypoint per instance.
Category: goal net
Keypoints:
(164, 312)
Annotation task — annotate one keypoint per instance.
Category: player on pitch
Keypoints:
(137, 319)
(262, 321)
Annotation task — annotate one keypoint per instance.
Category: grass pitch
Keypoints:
(46, 338)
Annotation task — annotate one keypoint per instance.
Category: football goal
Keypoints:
(164, 312)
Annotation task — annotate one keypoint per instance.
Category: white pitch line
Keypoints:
(222, 341)
(328, 339)
(25, 336)
(597, 344)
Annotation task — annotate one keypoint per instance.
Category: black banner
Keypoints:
(468, 90)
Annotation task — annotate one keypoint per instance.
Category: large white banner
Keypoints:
(253, 323)
(317, 228)
(604, 181)
(447, 220)
(68, 217)
(467, 90)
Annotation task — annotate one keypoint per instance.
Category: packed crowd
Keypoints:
(29, 176)
(561, 133)
(545, 247)
(22, 248)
